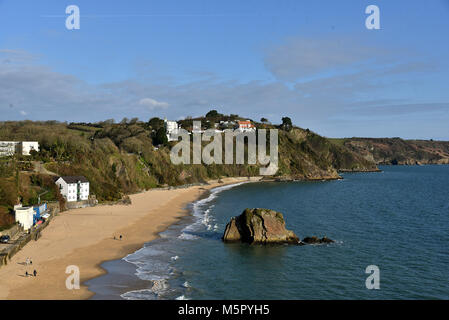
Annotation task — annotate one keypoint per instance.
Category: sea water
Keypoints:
(397, 220)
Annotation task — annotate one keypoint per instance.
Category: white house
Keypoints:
(245, 126)
(74, 188)
(28, 146)
(9, 148)
(171, 129)
(25, 217)
(227, 125)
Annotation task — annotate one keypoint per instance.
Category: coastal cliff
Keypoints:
(396, 151)
(128, 157)
(305, 155)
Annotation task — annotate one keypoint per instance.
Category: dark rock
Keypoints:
(316, 240)
(259, 226)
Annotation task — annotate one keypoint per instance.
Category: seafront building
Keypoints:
(74, 188)
(24, 216)
(39, 212)
(27, 217)
(9, 148)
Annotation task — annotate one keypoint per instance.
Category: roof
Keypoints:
(23, 208)
(74, 179)
(245, 123)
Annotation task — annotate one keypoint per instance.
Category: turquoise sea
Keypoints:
(397, 220)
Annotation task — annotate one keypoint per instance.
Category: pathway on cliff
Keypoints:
(40, 168)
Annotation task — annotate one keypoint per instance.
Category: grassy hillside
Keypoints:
(386, 151)
(119, 159)
(304, 154)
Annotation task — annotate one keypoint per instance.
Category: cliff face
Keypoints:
(396, 151)
(306, 155)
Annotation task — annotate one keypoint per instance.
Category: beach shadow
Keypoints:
(22, 263)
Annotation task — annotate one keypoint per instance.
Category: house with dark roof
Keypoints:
(73, 188)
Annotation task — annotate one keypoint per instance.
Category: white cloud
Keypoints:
(315, 103)
(16, 56)
(302, 57)
(153, 104)
(23, 113)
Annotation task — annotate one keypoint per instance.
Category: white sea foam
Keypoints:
(142, 252)
(145, 294)
(152, 262)
(159, 288)
(201, 210)
(187, 236)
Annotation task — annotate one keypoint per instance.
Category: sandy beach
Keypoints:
(85, 238)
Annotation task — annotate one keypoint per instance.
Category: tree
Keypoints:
(286, 124)
(156, 123)
(133, 120)
(105, 123)
(160, 137)
(212, 114)
(264, 120)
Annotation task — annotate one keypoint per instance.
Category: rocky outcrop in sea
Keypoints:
(259, 226)
(264, 226)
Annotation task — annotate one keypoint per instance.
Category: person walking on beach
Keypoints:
(27, 261)
(35, 273)
(26, 274)
(121, 237)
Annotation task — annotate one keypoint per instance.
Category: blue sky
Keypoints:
(314, 61)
